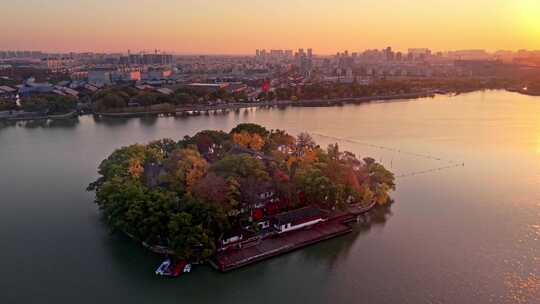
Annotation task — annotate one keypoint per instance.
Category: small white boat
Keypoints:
(164, 268)
(187, 268)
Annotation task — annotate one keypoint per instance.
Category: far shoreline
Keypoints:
(196, 110)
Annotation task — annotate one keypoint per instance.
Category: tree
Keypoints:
(250, 141)
(164, 146)
(183, 98)
(111, 101)
(34, 104)
(317, 188)
(279, 139)
(380, 180)
(204, 143)
(185, 167)
(304, 140)
(240, 166)
(60, 104)
(251, 129)
(189, 239)
(135, 168)
(6, 105)
(233, 193)
(212, 189)
(118, 163)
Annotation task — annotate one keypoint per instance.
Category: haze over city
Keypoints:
(238, 26)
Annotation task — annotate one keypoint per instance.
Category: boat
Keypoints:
(169, 269)
(164, 268)
(179, 268)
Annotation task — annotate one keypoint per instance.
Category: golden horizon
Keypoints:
(241, 26)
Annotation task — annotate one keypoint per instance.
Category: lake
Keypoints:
(464, 228)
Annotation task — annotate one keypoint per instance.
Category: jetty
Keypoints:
(274, 244)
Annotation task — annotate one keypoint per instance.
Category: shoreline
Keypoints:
(68, 115)
(269, 246)
(336, 225)
(524, 92)
(197, 110)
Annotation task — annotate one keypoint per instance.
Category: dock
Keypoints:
(336, 225)
(276, 245)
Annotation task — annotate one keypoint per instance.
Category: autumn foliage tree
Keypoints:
(185, 167)
(246, 140)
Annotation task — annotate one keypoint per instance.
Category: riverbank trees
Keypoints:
(51, 104)
(187, 194)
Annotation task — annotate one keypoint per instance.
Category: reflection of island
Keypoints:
(331, 252)
(238, 197)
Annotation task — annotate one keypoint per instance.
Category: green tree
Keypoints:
(251, 129)
(240, 166)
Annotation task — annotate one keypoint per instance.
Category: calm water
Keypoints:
(466, 234)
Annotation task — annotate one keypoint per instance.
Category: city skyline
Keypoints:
(205, 27)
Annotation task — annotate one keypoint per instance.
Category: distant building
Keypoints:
(100, 77)
(6, 91)
(157, 59)
(206, 87)
(126, 76)
(419, 53)
(31, 87)
(289, 53)
(156, 74)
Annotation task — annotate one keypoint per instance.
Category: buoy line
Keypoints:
(453, 163)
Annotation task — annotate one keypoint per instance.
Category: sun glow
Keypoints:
(527, 17)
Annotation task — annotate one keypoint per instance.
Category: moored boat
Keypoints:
(169, 269)
(164, 268)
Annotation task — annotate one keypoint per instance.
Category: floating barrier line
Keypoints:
(428, 171)
(453, 163)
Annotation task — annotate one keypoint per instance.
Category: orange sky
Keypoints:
(240, 26)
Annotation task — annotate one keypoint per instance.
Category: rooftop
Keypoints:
(217, 85)
(7, 89)
(299, 214)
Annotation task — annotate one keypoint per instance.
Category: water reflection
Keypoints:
(523, 289)
(41, 123)
(64, 123)
(340, 248)
(149, 120)
(109, 121)
(7, 124)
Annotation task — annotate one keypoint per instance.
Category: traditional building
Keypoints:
(298, 219)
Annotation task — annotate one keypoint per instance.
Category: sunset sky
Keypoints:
(240, 26)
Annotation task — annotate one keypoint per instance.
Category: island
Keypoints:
(235, 198)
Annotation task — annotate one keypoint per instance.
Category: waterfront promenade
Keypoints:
(279, 244)
(273, 245)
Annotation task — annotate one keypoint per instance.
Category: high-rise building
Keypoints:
(289, 53)
(389, 54)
